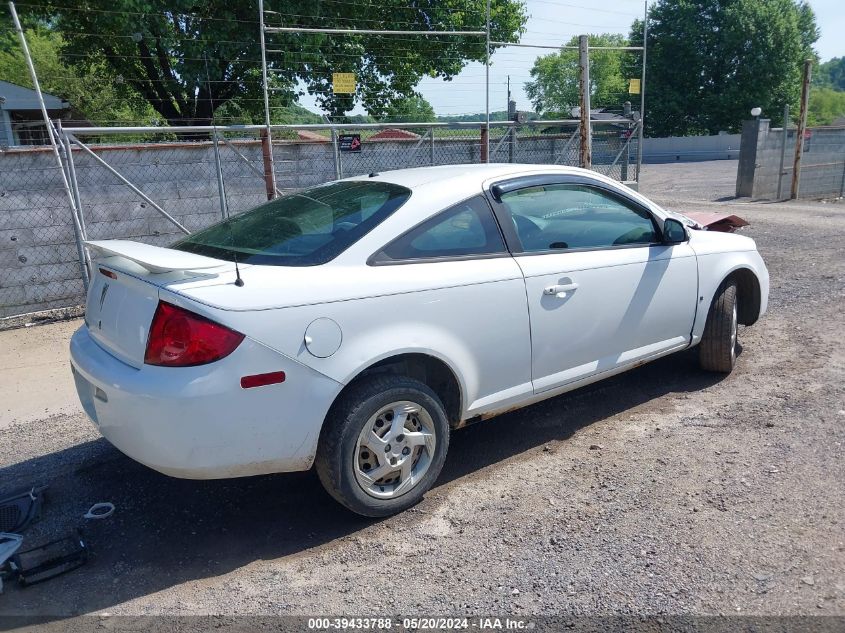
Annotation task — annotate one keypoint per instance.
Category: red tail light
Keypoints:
(180, 338)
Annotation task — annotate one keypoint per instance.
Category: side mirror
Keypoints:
(674, 231)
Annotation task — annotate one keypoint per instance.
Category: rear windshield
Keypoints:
(307, 228)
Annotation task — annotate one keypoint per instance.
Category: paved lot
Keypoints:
(662, 491)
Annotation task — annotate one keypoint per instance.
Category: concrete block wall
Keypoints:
(691, 148)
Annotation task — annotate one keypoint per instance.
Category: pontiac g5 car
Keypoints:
(352, 325)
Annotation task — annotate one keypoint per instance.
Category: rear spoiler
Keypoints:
(154, 258)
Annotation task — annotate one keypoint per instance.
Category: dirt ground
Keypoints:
(661, 491)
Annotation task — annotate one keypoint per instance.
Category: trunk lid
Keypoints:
(124, 291)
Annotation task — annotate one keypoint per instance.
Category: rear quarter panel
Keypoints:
(470, 314)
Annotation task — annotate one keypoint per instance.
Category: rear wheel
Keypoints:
(383, 445)
(717, 351)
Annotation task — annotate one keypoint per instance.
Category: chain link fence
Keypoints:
(154, 184)
(767, 162)
(39, 261)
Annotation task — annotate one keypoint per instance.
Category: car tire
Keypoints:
(351, 450)
(717, 351)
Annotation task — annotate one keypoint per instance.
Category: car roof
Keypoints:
(416, 177)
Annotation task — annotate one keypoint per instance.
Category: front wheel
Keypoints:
(717, 351)
(383, 445)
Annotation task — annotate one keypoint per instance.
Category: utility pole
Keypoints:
(802, 125)
(266, 136)
(586, 154)
(641, 130)
(485, 137)
(508, 109)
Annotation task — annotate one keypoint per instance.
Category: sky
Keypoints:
(553, 22)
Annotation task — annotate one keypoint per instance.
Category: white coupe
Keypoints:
(352, 325)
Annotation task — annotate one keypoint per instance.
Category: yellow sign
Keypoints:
(634, 86)
(343, 83)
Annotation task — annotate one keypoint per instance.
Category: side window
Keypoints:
(468, 228)
(560, 217)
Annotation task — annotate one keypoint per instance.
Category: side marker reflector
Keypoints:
(260, 380)
(108, 273)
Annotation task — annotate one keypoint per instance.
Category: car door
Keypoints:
(462, 283)
(603, 291)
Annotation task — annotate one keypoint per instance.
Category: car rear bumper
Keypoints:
(197, 422)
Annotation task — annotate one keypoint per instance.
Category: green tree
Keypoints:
(830, 74)
(411, 109)
(710, 61)
(242, 111)
(93, 90)
(187, 58)
(826, 105)
(555, 84)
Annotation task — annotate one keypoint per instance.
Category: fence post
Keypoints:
(641, 132)
(623, 175)
(266, 138)
(842, 184)
(221, 188)
(586, 157)
(511, 142)
(485, 144)
(71, 174)
(783, 150)
(79, 225)
(802, 125)
(267, 155)
(338, 171)
(431, 146)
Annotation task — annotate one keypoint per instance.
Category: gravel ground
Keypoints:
(661, 491)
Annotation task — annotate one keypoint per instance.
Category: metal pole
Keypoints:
(336, 155)
(783, 150)
(299, 29)
(267, 158)
(511, 143)
(221, 188)
(623, 174)
(79, 235)
(71, 172)
(122, 179)
(67, 157)
(642, 93)
(566, 48)
(77, 227)
(268, 155)
(802, 125)
(431, 146)
(842, 184)
(586, 158)
(487, 86)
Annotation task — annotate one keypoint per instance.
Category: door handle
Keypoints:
(560, 291)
